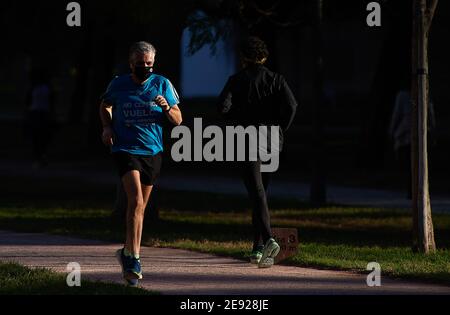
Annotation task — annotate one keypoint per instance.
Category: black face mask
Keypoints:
(142, 73)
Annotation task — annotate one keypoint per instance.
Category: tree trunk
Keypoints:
(318, 189)
(423, 229)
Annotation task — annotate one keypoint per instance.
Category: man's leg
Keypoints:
(137, 193)
(146, 191)
(135, 211)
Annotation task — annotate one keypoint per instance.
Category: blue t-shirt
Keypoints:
(136, 119)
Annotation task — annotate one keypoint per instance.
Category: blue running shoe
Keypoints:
(135, 270)
(131, 267)
(132, 282)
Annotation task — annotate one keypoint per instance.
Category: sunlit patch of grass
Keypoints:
(335, 237)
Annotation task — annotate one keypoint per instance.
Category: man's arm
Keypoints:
(173, 113)
(105, 112)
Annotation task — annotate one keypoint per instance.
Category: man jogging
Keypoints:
(258, 97)
(132, 112)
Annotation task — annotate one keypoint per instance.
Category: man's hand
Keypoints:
(172, 113)
(162, 102)
(107, 136)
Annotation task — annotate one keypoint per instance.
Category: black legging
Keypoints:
(257, 184)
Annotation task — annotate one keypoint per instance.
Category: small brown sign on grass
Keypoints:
(287, 238)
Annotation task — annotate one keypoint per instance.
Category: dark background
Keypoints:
(364, 68)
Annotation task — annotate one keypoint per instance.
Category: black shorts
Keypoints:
(149, 166)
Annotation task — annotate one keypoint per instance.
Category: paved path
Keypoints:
(180, 272)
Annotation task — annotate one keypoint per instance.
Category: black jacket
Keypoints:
(257, 96)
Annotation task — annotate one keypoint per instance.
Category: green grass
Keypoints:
(334, 237)
(19, 280)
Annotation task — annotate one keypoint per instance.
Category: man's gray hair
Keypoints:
(141, 48)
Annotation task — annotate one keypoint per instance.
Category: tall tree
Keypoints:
(423, 239)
